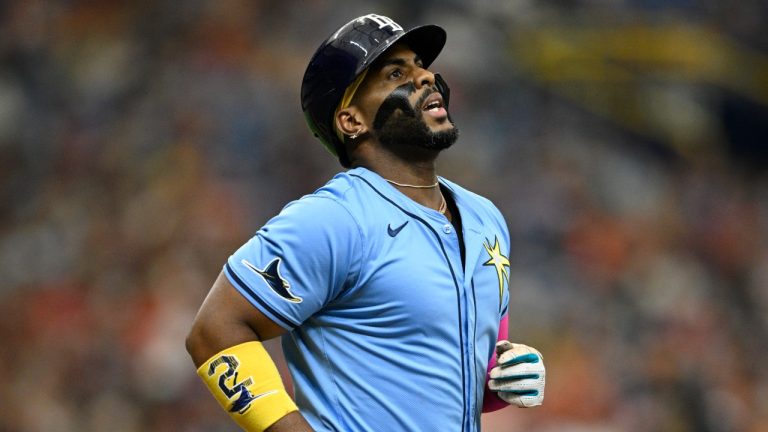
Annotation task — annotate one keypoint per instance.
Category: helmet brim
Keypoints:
(426, 41)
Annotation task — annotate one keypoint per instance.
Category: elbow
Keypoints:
(190, 341)
(195, 342)
(210, 334)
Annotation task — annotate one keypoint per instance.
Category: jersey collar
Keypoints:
(392, 193)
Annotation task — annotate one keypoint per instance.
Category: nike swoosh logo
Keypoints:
(243, 402)
(396, 231)
(261, 395)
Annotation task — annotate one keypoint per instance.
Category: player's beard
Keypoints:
(399, 126)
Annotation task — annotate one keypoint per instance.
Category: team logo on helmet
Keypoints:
(382, 21)
(273, 278)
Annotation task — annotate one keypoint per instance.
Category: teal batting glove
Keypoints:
(519, 376)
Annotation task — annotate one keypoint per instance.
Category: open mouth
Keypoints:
(434, 105)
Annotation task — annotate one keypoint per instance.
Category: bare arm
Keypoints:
(226, 319)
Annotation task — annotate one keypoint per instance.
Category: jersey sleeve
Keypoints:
(299, 261)
(506, 295)
(502, 223)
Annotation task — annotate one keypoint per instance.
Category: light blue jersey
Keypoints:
(387, 330)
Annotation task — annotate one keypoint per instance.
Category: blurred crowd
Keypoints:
(142, 142)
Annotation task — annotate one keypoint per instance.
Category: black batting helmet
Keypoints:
(343, 56)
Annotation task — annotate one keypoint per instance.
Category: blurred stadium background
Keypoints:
(626, 142)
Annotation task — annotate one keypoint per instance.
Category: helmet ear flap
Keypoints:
(443, 88)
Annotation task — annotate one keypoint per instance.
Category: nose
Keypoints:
(423, 77)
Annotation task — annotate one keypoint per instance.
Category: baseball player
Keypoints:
(388, 285)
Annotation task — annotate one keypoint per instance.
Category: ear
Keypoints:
(350, 122)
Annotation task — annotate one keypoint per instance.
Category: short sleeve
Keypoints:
(299, 261)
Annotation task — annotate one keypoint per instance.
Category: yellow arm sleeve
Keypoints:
(246, 383)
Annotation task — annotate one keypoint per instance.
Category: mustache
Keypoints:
(427, 93)
(399, 100)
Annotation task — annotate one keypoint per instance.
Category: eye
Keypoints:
(395, 74)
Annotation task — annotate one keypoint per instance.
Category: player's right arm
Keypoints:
(297, 262)
(224, 343)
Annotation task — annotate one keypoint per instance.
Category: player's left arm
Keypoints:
(516, 374)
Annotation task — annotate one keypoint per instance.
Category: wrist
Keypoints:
(246, 383)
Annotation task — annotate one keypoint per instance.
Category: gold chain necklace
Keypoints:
(443, 205)
(413, 186)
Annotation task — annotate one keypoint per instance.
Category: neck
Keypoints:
(392, 166)
(405, 173)
(408, 174)
(407, 166)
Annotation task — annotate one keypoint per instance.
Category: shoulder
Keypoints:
(340, 197)
(479, 206)
(353, 192)
(325, 211)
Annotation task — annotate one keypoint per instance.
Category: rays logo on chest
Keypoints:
(499, 262)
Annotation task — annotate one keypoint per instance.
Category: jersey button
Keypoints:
(447, 228)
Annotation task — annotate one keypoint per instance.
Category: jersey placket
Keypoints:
(449, 238)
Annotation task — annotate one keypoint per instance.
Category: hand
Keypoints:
(519, 375)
